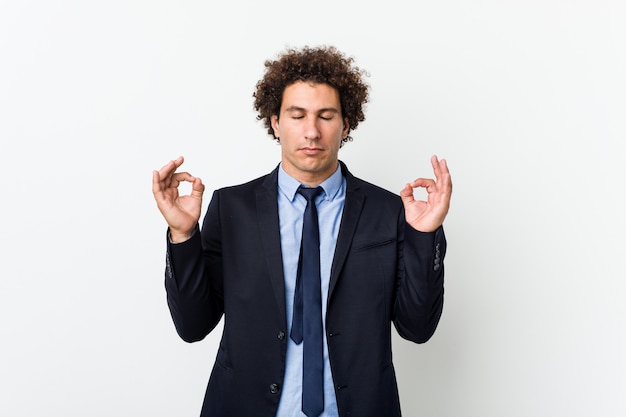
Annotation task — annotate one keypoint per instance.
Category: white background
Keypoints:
(525, 99)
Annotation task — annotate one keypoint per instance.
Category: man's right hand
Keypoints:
(182, 213)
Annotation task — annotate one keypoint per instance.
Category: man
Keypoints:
(379, 258)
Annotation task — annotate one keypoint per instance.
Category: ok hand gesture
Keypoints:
(427, 216)
(181, 213)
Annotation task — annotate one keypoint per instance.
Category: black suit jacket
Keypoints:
(383, 271)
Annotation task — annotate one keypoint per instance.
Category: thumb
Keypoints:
(407, 194)
(197, 188)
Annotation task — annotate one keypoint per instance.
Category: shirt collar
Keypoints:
(289, 185)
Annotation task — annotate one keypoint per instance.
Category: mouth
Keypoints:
(311, 151)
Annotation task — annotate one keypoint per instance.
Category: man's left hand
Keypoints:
(427, 216)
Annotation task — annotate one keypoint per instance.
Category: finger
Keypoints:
(156, 182)
(171, 167)
(427, 183)
(158, 188)
(439, 166)
(197, 188)
(407, 190)
(434, 161)
(175, 179)
(444, 178)
(407, 193)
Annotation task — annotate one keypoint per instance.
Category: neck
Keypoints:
(309, 178)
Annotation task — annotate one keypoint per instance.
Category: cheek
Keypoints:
(338, 136)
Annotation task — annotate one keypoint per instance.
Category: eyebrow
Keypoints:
(298, 108)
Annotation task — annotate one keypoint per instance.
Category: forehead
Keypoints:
(310, 96)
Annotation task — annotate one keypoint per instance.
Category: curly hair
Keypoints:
(320, 65)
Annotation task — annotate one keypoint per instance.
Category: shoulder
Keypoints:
(265, 182)
(376, 199)
(358, 185)
(244, 187)
(372, 189)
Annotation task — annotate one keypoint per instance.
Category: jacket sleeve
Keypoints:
(193, 278)
(419, 292)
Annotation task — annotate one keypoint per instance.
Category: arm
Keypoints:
(419, 292)
(193, 279)
(194, 300)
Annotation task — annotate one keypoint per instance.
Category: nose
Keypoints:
(311, 128)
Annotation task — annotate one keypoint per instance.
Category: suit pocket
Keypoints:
(371, 245)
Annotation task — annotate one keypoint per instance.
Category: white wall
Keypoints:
(526, 100)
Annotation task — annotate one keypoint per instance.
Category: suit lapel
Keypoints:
(349, 221)
(267, 214)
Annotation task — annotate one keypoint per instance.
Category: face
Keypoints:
(310, 129)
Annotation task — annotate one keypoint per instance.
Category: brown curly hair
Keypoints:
(321, 65)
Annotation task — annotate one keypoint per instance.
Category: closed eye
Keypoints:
(328, 115)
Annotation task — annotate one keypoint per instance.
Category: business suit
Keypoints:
(383, 271)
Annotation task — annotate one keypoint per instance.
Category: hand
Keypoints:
(181, 213)
(427, 216)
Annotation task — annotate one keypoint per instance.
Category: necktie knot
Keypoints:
(310, 193)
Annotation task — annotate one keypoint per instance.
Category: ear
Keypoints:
(274, 122)
(346, 128)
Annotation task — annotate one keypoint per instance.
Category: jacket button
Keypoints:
(274, 388)
(281, 335)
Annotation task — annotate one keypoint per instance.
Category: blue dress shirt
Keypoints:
(291, 207)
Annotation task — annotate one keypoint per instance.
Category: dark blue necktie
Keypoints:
(307, 309)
